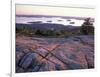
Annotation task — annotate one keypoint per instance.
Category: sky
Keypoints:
(54, 11)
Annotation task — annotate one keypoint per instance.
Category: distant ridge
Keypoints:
(46, 26)
(49, 16)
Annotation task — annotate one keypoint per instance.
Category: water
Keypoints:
(52, 20)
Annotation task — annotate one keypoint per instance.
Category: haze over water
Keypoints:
(53, 15)
(52, 20)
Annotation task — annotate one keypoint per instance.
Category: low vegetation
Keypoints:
(86, 29)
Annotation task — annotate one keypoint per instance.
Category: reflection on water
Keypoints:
(52, 20)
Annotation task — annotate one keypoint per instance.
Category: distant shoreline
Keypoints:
(49, 16)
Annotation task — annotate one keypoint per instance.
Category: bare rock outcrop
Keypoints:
(48, 54)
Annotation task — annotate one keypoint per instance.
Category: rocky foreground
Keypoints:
(50, 54)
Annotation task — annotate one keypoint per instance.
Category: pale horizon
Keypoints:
(54, 11)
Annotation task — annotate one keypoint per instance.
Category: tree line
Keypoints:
(87, 28)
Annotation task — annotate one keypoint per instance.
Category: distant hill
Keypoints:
(46, 26)
(49, 16)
